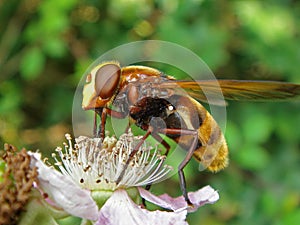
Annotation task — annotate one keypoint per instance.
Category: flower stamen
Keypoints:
(96, 165)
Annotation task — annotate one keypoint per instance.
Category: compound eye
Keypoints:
(107, 79)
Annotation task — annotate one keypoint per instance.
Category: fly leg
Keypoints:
(163, 142)
(104, 112)
(167, 147)
(101, 131)
(98, 111)
(132, 154)
(95, 124)
(187, 158)
(148, 186)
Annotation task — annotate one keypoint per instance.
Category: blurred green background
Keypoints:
(45, 47)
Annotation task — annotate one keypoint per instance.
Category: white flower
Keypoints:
(62, 190)
(120, 209)
(92, 167)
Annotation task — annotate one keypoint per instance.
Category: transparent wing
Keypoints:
(237, 90)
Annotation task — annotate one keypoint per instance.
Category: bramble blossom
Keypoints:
(86, 185)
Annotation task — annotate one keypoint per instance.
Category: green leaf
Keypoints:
(54, 47)
(292, 218)
(32, 63)
(257, 126)
(270, 203)
(252, 157)
(233, 136)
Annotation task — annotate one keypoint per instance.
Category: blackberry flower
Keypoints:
(87, 186)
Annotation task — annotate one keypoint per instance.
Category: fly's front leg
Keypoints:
(96, 131)
(101, 131)
(95, 124)
(104, 112)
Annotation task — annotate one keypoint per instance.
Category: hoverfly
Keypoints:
(148, 97)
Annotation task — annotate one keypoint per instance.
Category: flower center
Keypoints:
(96, 165)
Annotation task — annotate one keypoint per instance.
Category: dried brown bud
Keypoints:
(16, 185)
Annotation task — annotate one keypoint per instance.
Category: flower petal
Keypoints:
(121, 210)
(201, 197)
(63, 191)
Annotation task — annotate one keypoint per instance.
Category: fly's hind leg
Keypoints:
(187, 158)
(183, 164)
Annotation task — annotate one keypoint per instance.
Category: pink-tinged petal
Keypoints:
(63, 191)
(205, 195)
(121, 210)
